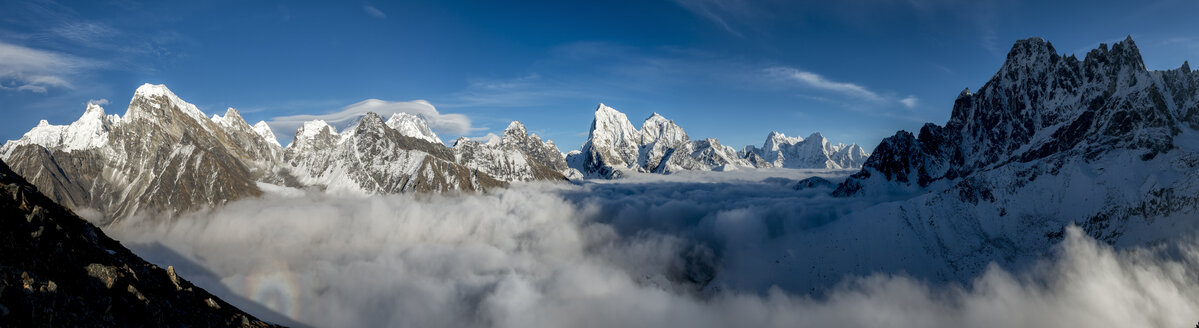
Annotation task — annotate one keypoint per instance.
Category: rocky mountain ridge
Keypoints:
(614, 146)
(164, 156)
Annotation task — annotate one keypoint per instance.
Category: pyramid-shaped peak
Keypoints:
(93, 109)
(605, 108)
(370, 119)
(232, 112)
(516, 126)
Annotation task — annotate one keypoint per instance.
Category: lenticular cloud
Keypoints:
(566, 255)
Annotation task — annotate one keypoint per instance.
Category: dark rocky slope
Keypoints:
(58, 270)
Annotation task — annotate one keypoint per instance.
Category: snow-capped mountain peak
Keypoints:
(310, 131)
(657, 128)
(412, 126)
(516, 127)
(153, 92)
(264, 130)
(231, 119)
(89, 131)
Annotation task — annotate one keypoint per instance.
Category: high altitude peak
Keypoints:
(412, 126)
(315, 126)
(232, 117)
(1029, 52)
(1120, 54)
(153, 90)
(403, 115)
(516, 127)
(604, 108)
(1186, 68)
(93, 108)
(370, 119)
(965, 93)
(655, 117)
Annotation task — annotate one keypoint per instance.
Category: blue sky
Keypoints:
(855, 70)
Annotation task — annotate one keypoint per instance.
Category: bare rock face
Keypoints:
(1042, 106)
(59, 270)
(162, 156)
(517, 156)
(711, 153)
(371, 157)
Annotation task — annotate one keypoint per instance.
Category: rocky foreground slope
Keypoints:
(58, 270)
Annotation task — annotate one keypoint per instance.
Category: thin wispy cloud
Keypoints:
(373, 12)
(451, 124)
(720, 12)
(28, 69)
(817, 81)
(910, 102)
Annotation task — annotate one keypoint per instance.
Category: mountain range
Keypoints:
(1050, 141)
(164, 156)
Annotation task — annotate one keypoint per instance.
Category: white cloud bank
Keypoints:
(558, 255)
(449, 124)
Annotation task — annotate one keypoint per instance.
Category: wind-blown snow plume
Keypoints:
(649, 250)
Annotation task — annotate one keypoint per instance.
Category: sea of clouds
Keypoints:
(648, 251)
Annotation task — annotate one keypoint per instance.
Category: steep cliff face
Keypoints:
(163, 155)
(1049, 142)
(1041, 106)
(59, 270)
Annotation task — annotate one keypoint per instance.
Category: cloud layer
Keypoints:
(450, 124)
(646, 252)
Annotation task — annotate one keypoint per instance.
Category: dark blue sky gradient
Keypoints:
(729, 69)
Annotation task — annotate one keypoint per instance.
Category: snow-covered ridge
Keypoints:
(815, 151)
(158, 90)
(88, 132)
(264, 130)
(661, 146)
(412, 126)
